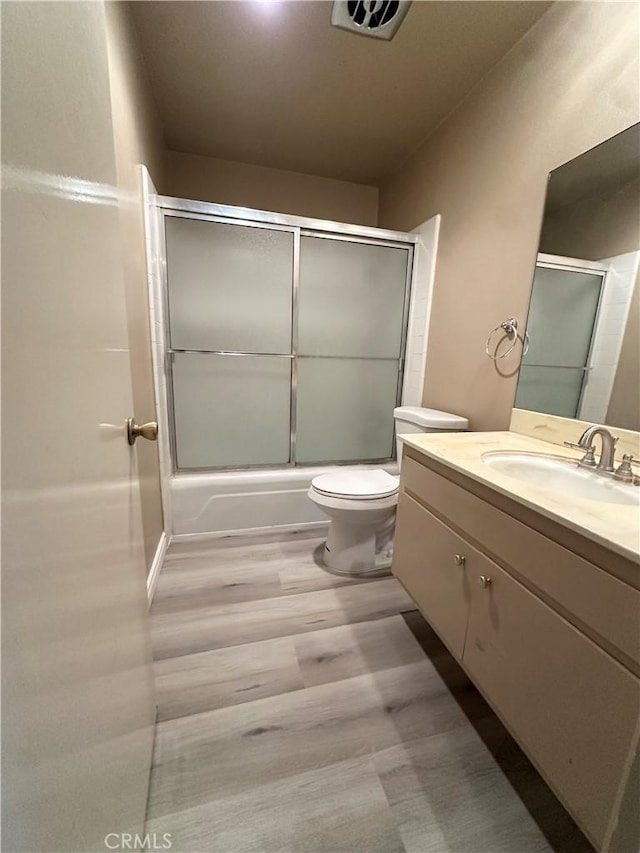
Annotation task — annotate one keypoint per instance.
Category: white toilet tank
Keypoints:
(411, 419)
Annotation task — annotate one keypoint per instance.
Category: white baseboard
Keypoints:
(319, 526)
(156, 565)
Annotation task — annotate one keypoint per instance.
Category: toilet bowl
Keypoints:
(362, 509)
(361, 503)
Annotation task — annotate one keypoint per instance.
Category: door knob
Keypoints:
(148, 431)
(484, 581)
(459, 559)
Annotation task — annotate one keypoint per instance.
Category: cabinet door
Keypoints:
(424, 560)
(571, 706)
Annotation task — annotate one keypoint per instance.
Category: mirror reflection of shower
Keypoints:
(577, 320)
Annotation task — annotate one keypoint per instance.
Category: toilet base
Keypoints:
(357, 549)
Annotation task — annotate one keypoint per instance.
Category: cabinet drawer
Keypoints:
(424, 560)
(598, 603)
(571, 706)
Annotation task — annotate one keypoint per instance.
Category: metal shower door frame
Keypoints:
(298, 227)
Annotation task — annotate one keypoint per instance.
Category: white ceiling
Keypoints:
(271, 82)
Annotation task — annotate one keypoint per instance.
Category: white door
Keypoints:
(78, 710)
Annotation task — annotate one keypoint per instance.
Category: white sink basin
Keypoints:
(562, 475)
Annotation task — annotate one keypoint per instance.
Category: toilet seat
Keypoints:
(356, 485)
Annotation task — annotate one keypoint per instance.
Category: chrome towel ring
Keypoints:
(510, 329)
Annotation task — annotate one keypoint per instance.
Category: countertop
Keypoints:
(616, 526)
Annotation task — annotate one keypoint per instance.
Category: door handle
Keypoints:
(148, 431)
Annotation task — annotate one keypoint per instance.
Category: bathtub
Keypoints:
(235, 501)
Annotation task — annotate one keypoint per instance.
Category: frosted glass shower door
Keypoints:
(285, 346)
(562, 316)
(231, 411)
(351, 304)
(230, 286)
(230, 297)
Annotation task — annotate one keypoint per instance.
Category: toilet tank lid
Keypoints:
(430, 418)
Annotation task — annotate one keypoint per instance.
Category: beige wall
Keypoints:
(138, 139)
(226, 182)
(571, 82)
(595, 227)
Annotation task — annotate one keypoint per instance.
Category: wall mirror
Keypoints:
(583, 359)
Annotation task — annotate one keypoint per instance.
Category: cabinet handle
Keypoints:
(484, 581)
(459, 559)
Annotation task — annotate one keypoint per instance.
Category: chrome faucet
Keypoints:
(586, 443)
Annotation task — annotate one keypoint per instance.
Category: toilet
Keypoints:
(362, 503)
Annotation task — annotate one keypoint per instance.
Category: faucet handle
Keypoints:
(623, 471)
(589, 459)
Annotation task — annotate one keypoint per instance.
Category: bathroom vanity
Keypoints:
(537, 595)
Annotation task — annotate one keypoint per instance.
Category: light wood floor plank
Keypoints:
(191, 684)
(306, 576)
(192, 630)
(206, 544)
(244, 572)
(248, 551)
(337, 809)
(198, 582)
(225, 752)
(352, 650)
(448, 793)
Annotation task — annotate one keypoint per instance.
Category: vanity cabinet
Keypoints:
(572, 707)
(565, 689)
(446, 585)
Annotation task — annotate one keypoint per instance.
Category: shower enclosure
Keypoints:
(282, 343)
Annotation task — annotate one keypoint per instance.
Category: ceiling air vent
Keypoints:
(377, 18)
